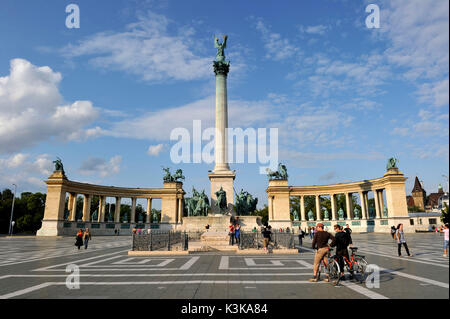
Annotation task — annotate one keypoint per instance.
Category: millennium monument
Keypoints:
(222, 178)
(386, 206)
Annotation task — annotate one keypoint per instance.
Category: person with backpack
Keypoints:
(348, 230)
(393, 230)
(341, 243)
(266, 235)
(400, 238)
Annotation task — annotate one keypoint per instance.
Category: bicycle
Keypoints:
(332, 269)
(356, 264)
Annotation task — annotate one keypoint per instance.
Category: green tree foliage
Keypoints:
(263, 213)
(28, 211)
(444, 215)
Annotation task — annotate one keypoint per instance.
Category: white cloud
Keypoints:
(436, 93)
(158, 125)
(418, 31)
(278, 48)
(32, 108)
(26, 171)
(101, 167)
(314, 29)
(145, 49)
(155, 150)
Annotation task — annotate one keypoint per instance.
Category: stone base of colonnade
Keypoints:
(69, 228)
(377, 225)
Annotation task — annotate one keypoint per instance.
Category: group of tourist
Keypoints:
(140, 231)
(83, 237)
(234, 231)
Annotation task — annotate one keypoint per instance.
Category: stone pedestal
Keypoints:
(224, 179)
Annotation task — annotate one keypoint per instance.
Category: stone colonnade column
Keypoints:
(318, 210)
(302, 207)
(377, 203)
(380, 196)
(180, 210)
(117, 210)
(73, 207)
(101, 208)
(362, 199)
(87, 207)
(149, 210)
(333, 207)
(348, 206)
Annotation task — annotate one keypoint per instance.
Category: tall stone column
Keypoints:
(302, 207)
(149, 210)
(221, 176)
(73, 207)
(318, 210)
(380, 196)
(348, 206)
(101, 209)
(377, 203)
(333, 207)
(180, 210)
(362, 199)
(87, 207)
(117, 210)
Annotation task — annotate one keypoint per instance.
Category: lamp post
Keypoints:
(12, 211)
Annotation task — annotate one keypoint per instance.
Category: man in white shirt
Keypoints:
(445, 240)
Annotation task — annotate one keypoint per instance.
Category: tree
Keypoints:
(263, 213)
(444, 214)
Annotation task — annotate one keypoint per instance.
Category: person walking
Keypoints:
(311, 233)
(266, 235)
(320, 242)
(86, 238)
(400, 238)
(79, 239)
(301, 234)
(445, 240)
(231, 233)
(237, 233)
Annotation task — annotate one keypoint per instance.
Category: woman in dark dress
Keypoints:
(79, 239)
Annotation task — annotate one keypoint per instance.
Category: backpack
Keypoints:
(396, 235)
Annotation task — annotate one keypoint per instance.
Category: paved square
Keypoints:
(36, 268)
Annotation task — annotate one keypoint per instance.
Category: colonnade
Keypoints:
(388, 193)
(349, 209)
(58, 186)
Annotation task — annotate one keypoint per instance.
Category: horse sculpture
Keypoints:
(173, 178)
(281, 174)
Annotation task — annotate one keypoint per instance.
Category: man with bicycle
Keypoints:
(342, 241)
(320, 242)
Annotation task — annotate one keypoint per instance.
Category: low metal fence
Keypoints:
(159, 240)
(256, 240)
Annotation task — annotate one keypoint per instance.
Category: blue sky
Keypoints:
(345, 98)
